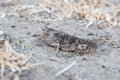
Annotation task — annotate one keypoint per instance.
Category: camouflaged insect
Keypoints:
(66, 42)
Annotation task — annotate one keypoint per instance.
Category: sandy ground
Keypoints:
(104, 64)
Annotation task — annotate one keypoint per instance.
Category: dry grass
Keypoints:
(92, 11)
(14, 65)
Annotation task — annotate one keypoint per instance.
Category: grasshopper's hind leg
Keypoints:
(58, 46)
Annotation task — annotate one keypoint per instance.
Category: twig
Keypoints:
(58, 60)
(35, 65)
(89, 24)
(27, 59)
(23, 47)
(65, 69)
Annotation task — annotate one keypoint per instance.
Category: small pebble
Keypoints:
(84, 58)
(13, 26)
(103, 66)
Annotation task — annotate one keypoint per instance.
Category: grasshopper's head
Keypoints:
(46, 31)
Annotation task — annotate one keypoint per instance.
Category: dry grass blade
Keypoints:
(25, 61)
(57, 60)
(2, 69)
(65, 69)
(8, 47)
